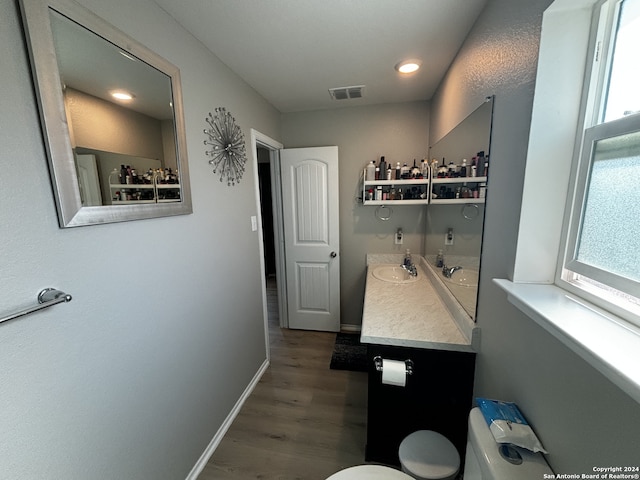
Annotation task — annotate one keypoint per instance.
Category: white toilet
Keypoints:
(369, 472)
(429, 455)
(485, 459)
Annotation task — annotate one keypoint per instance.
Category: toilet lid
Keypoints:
(369, 472)
(428, 454)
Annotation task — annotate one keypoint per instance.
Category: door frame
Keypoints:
(260, 140)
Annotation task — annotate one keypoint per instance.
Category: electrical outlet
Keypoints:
(448, 238)
(399, 237)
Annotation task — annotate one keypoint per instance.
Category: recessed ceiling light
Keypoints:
(122, 95)
(408, 66)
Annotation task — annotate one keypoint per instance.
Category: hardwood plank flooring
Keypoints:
(302, 421)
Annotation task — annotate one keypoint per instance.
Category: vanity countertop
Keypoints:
(409, 314)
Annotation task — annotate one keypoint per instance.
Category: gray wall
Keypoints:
(362, 134)
(134, 377)
(581, 417)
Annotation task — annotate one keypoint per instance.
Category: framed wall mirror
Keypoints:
(111, 115)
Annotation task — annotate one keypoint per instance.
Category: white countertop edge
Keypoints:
(582, 328)
(393, 342)
(464, 322)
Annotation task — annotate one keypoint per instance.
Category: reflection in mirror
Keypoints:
(464, 221)
(112, 117)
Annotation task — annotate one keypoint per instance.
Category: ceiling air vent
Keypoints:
(345, 93)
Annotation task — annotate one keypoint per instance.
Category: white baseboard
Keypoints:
(206, 455)
(345, 327)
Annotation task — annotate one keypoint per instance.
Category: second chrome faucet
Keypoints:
(448, 271)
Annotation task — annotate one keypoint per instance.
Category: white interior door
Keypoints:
(311, 237)
(88, 180)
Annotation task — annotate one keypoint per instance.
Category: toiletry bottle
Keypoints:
(123, 174)
(404, 171)
(451, 172)
(440, 259)
(442, 170)
(398, 172)
(486, 166)
(379, 192)
(480, 164)
(377, 175)
(425, 168)
(434, 168)
(371, 171)
(463, 168)
(383, 169)
(114, 176)
(415, 171)
(389, 172)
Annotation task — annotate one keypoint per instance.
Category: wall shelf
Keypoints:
(426, 188)
(156, 192)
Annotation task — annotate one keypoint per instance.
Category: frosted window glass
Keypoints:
(610, 233)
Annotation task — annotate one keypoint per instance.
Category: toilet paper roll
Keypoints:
(394, 372)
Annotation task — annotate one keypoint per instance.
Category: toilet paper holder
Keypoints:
(377, 360)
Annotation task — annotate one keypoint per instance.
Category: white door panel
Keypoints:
(88, 180)
(310, 207)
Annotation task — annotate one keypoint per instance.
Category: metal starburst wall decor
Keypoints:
(228, 153)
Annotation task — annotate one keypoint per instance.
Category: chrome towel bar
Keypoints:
(46, 298)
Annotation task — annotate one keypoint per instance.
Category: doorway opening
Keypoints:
(302, 186)
(269, 199)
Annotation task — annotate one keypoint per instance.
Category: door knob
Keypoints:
(333, 254)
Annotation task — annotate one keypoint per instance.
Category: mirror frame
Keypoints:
(55, 130)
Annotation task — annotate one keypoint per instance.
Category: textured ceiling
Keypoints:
(293, 51)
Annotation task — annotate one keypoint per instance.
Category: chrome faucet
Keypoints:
(448, 271)
(409, 266)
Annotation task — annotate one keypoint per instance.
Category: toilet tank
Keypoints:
(484, 461)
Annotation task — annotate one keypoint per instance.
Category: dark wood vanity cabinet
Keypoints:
(437, 396)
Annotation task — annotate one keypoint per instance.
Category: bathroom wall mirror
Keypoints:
(470, 136)
(111, 159)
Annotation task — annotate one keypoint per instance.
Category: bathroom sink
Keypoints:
(465, 277)
(393, 274)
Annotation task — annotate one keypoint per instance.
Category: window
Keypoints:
(602, 255)
(578, 309)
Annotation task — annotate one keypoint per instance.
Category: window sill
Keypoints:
(610, 345)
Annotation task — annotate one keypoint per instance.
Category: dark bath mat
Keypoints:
(349, 353)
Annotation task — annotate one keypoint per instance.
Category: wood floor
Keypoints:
(302, 421)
